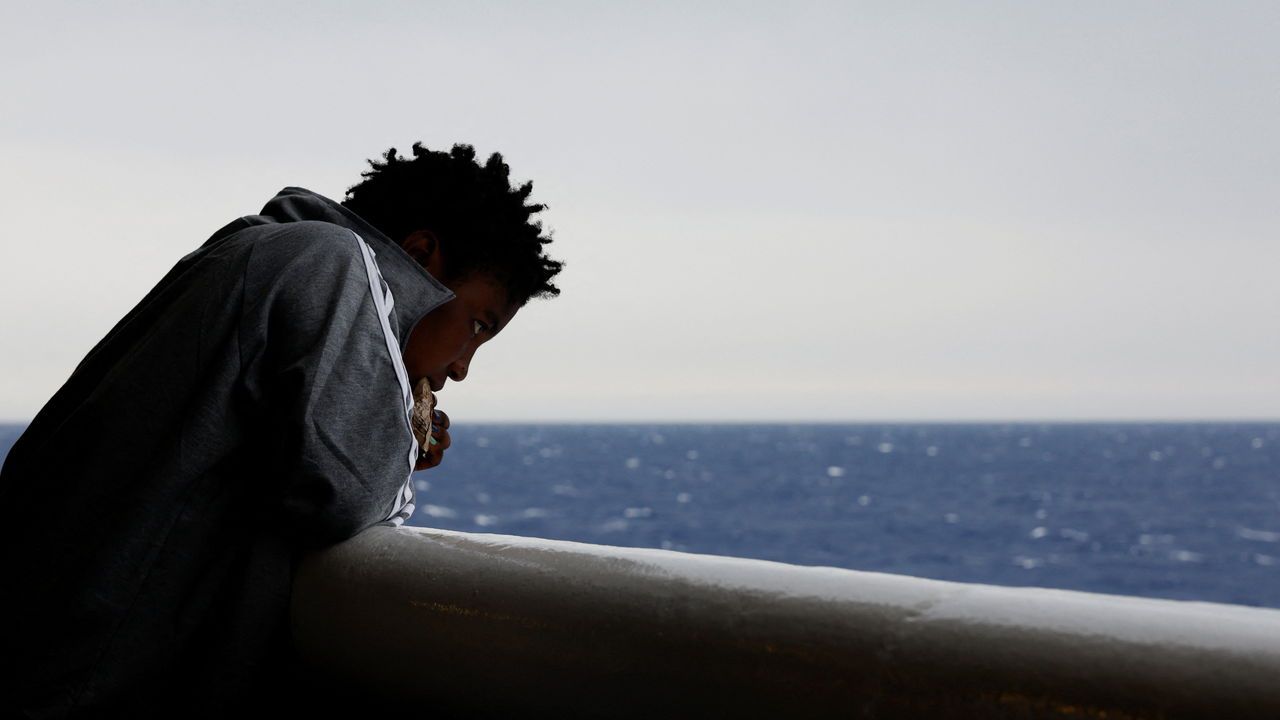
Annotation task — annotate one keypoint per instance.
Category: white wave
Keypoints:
(1245, 533)
(1073, 534)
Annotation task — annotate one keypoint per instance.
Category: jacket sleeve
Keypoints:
(331, 386)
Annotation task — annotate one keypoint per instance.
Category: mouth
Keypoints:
(436, 385)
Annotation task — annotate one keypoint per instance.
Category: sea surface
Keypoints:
(1177, 510)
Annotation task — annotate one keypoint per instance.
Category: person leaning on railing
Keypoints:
(253, 406)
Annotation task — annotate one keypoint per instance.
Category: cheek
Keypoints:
(436, 342)
(416, 358)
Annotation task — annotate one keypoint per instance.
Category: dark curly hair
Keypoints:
(481, 221)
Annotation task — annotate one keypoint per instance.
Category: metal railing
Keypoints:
(501, 626)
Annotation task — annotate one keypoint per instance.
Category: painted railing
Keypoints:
(500, 626)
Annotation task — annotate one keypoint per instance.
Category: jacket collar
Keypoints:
(415, 291)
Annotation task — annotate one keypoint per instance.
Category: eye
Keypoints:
(477, 327)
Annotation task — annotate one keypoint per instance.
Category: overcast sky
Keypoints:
(769, 211)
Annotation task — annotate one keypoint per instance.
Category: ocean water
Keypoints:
(1176, 510)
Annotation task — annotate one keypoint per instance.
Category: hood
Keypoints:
(416, 292)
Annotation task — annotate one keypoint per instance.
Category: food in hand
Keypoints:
(424, 402)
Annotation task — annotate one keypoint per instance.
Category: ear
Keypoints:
(424, 246)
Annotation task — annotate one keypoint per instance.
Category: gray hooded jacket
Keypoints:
(252, 406)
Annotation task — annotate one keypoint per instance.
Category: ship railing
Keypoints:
(484, 625)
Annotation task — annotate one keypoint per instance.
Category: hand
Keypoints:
(434, 454)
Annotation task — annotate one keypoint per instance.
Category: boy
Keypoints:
(255, 404)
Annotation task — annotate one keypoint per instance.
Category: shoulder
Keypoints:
(305, 251)
(304, 268)
(305, 240)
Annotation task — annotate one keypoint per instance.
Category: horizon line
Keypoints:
(874, 421)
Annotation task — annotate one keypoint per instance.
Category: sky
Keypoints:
(769, 212)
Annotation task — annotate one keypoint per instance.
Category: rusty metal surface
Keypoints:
(490, 625)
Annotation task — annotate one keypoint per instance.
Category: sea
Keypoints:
(1187, 511)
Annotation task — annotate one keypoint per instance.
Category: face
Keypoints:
(444, 342)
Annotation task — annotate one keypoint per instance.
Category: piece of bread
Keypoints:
(424, 401)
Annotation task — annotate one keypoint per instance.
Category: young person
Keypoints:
(253, 406)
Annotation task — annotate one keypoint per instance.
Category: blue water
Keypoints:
(1187, 511)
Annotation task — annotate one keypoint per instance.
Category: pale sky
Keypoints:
(768, 211)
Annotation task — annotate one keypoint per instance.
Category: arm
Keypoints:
(338, 442)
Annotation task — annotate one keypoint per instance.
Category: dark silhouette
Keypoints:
(252, 407)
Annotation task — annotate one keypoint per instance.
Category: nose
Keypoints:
(458, 368)
(458, 371)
